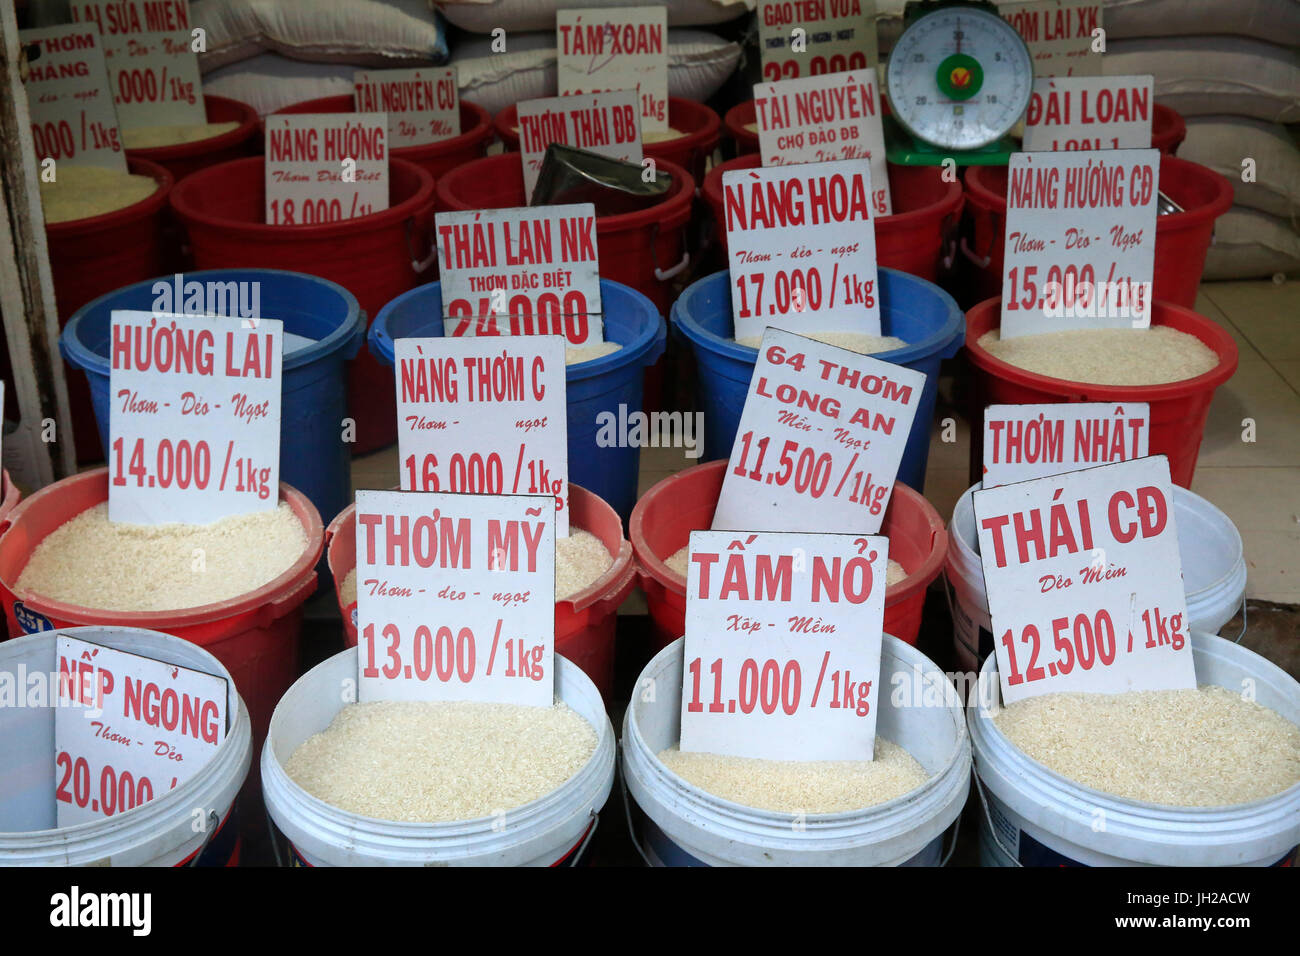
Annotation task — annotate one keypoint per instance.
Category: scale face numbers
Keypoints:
(959, 78)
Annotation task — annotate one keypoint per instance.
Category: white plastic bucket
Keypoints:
(161, 832)
(550, 831)
(685, 826)
(1214, 573)
(1033, 816)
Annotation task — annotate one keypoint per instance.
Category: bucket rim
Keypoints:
(735, 120)
(83, 357)
(295, 581)
(248, 125)
(949, 333)
(148, 206)
(506, 125)
(196, 182)
(671, 212)
(381, 341)
(480, 131)
(982, 316)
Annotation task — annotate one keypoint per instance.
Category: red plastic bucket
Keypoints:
(679, 504)
(645, 249)
(254, 635)
(1182, 238)
(438, 158)
(1167, 129)
(89, 257)
(584, 622)
(374, 257)
(1178, 409)
(9, 496)
(700, 128)
(185, 158)
(918, 238)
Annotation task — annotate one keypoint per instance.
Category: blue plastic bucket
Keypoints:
(313, 456)
(916, 311)
(597, 386)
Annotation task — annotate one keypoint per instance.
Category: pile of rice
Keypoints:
(1186, 748)
(573, 354)
(80, 192)
(580, 559)
(859, 342)
(793, 786)
(112, 566)
(680, 559)
(434, 761)
(149, 137)
(1151, 356)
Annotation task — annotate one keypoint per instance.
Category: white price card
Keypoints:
(1059, 34)
(1033, 441)
(194, 417)
(152, 65)
(820, 439)
(607, 124)
(128, 729)
(73, 119)
(485, 416)
(423, 105)
(782, 653)
(455, 597)
(817, 119)
(1085, 582)
(616, 49)
(813, 37)
(525, 271)
(1080, 241)
(1089, 112)
(325, 167)
(802, 248)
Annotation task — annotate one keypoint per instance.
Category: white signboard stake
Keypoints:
(423, 105)
(606, 124)
(1089, 112)
(1034, 441)
(616, 49)
(810, 39)
(325, 167)
(73, 119)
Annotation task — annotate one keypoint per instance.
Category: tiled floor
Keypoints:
(1256, 483)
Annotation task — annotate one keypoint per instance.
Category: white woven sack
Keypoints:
(1198, 76)
(698, 64)
(1223, 142)
(484, 16)
(1277, 21)
(269, 82)
(1249, 244)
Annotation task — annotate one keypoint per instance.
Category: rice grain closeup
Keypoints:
(435, 761)
(575, 354)
(80, 192)
(112, 566)
(859, 342)
(1154, 356)
(1186, 748)
(794, 786)
(149, 137)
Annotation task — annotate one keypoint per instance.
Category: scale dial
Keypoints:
(959, 78)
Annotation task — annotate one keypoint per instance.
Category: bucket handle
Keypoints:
(952, 847)
(296, 595)
(418, 264)
(214, 824)
(627, 812)
(952, 614)
(948, 244)
(979, 788)
(1243, 616)
(663, 275)
(271, 833)
(586, 840)
(981, 262)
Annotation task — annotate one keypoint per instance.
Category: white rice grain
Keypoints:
(1153, 356)
(574, 354)
(859, 342)
(1187, 748)
(149, 137)
(432, 762)
(80, 192)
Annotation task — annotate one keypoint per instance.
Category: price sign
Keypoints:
(599, 50)
(194, 416)
(1081, 239)
(455, 597)
(1089, 112)
(1059, 34)
(1085, 582)
(325, 167)
(484, 416)
(152, 67)
(820, 439)
(528, 271)
(811, 38)
(73, 119)
(822, 118)
(1033, 441)
(128, 729)
(802, 248)
(607, 124)
(423, 105)
(783, 636)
